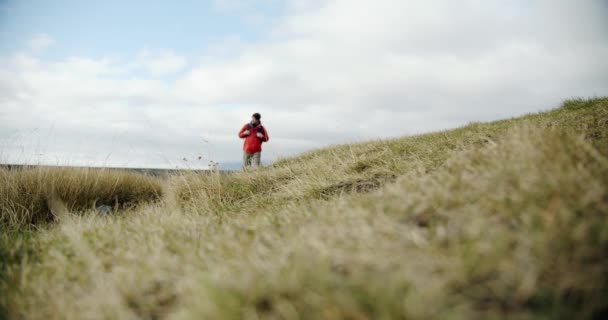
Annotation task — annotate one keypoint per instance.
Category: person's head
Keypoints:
(255, 118)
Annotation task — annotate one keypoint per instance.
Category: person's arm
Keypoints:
(244, 132)
(265, 138)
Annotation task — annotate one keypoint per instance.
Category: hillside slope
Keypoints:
(498, 220)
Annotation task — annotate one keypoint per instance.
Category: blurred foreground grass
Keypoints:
(489, 221)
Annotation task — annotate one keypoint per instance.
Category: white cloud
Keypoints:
(40, 42)
(408, 55)
(161, 62)
(332, 71)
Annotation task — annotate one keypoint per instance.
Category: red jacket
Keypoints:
(252, 143)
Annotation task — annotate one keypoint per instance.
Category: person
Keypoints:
(254, 134)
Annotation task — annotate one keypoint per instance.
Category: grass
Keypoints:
(39, 195)
(488, 221)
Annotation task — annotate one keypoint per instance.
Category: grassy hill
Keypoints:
(489, 221)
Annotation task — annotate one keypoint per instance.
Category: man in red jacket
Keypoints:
(254, 134)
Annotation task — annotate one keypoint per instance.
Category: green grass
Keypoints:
(489, 221)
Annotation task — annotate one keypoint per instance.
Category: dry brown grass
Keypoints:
(505, 220)
(38, 195)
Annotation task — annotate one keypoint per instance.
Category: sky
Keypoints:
(169, 83)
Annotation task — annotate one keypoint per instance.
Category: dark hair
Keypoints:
(257, 116)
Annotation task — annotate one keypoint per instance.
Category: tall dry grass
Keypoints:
(33, 196)
(504, 220)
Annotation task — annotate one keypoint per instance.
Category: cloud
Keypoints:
(161, 62)
(444, 61)
(40, 42)
(330, 72)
